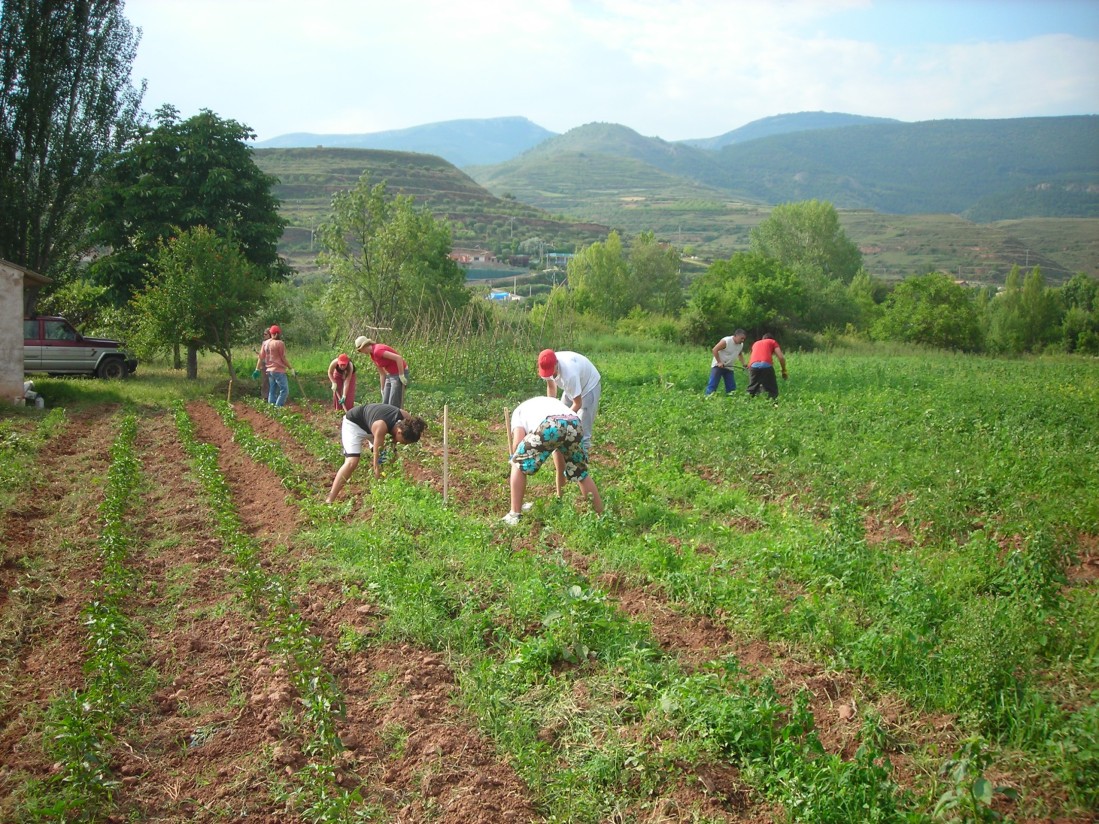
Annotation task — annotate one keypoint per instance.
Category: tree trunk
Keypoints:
(177, 362)
(192, 362)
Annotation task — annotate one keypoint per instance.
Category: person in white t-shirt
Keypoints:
(726, 352)
(579, 382)
(540, 427)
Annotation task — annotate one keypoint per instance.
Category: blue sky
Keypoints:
(673, 69)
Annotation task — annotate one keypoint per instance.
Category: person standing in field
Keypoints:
(761, 370)
(580, 384)
(540, 427)
(370, 423)
(392, 369)
(341, 376)
(726, 351)
(272, 356)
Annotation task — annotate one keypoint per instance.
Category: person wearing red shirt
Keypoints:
(392, 368)
(761, 366)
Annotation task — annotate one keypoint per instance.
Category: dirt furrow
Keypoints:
(50, 560)
(197, 751)
(406, 740)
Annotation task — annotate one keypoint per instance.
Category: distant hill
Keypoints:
(308, 178)
(462, 142)
(999, 169)
(785, 124)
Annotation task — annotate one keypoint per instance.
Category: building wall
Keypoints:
(12, 280)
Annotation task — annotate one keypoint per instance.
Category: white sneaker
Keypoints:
(528, 506)
(511, 519)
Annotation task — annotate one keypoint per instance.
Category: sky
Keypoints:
(674, 69)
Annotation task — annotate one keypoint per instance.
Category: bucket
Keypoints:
(39, 402)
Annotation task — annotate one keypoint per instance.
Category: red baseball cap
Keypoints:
(547, 363)
(274, 330)
(343, 360)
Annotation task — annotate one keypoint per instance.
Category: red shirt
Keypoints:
(388, 364)
(763, 351)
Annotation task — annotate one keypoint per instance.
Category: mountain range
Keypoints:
(972, 197)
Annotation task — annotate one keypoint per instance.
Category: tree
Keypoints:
(807, 236)
(600, 279)
(931, 310)
(747, 290)
(654, 273)
(201, 296)
(178, 176)
(66, 103)
(388, 259)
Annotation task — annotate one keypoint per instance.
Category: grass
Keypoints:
(914, 520)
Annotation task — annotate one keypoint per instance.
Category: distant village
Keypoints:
(482, 264)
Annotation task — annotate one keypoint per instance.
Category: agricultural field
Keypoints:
(875, 600)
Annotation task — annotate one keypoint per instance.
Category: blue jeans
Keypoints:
(278, 389)
(725, 373)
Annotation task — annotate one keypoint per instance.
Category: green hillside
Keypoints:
(633, 196)
(308, 178)
(936, 166)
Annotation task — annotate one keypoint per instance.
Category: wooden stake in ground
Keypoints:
(446, 453)
(229, 393)
(300, 387)
(507, 429)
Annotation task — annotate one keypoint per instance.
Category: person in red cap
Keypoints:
(579, 382)
(272, 356)
(341, 374)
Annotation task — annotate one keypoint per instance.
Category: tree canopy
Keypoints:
(747, 290)
(177, 176)
(931, 310)
(807, 237)
(388, 260)
(66, 103)
(202, 295)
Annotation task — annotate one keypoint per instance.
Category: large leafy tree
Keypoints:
(599, 277)
(609, 281)
(931, 310)
(66, 103)
(202, 295)
(388, 259)
(655, 274)
(177, 176)
(747, 290)
(806, 237)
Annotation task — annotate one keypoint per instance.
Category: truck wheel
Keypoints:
(112, 369)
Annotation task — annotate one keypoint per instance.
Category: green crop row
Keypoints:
(316, 795)
(20, 440)
(78, 731)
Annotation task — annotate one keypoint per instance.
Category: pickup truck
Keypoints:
(51, 344)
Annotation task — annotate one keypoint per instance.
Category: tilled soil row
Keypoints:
(49, 562)
(199, 751)
(444, 770)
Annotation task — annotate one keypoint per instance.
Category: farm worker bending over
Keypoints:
(726, 350)
(580, 385)
(341, 374)
(272, 356)
(540, 427)
(392, 368)
(369, 424)
(761, 373)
